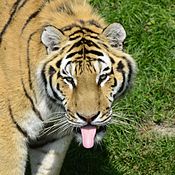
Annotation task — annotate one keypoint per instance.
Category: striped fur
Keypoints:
(61, 67)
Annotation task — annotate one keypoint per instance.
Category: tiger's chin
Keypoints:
(89, 138)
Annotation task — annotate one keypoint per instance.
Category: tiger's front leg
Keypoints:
(13, 148)
(48, 159)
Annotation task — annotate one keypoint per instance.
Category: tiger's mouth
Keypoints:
(90, 134)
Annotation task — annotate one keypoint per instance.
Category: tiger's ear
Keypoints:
(116, 35)
(51, 38)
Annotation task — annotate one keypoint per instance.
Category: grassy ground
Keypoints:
(133, 148)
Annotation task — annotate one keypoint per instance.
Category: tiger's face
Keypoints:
(86, 73)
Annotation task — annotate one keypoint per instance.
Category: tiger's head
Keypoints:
(86, 70)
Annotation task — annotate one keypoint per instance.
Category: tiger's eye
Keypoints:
(69, 79)
(103, 77)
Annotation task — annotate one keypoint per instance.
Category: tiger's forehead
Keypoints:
(84, 50)
(83, 27)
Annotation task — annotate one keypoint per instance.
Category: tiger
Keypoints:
(61, 68)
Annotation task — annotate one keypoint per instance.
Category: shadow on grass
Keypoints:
(80, 161)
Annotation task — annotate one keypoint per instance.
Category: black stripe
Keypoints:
(28, 63)
(110, 96)
(45, 81)
(130, 72)
(81, 30)
(69, 62)
(84, 41)
(95, 52)
(105, 69)
(64, 29)
(58, 88)
(31, 101)
(23, 132)
(51, 70)
(104, 114)
(33, 15)
(105, 119)
(64, 72)
(130, 69)
(112, 60)
(58, 75)
(120, 66)
(89, 67)
(76, 59)
(91, 43)
(74, 53)
(101, 60)
(90, 31)
(74, 38)
(71, 114)
(95, 23)
(14, 8)
(64, 103)
(123, 83)
(115, 83)
(54, 93)
(106, 46)
(44, 69)
(45, 86)
(76, 32)
(58, 63)
(22, 5)
(94, 37)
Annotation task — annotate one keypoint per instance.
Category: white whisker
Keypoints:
(62, 129)
(46, 130)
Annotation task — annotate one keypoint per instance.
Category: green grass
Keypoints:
(131, 149)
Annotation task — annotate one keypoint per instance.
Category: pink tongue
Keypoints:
(88, 136)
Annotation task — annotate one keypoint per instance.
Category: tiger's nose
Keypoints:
(88, 118)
